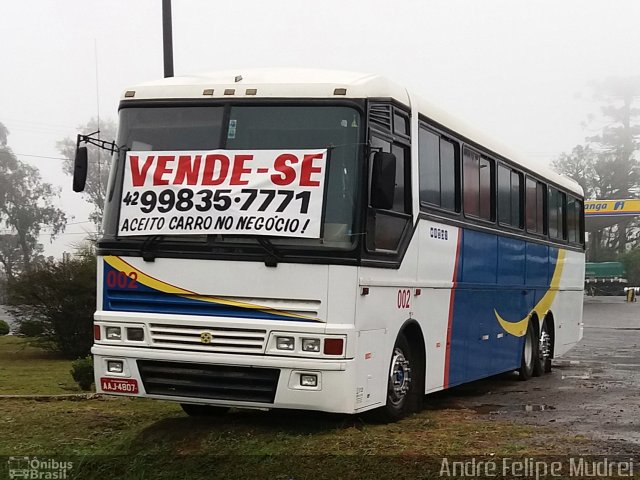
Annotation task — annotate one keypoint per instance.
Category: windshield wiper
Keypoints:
(147, 249)
(273, 254)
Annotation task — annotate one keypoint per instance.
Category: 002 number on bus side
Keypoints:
(404, 298)
(121, 279)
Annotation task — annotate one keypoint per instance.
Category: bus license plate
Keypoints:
(119, 385)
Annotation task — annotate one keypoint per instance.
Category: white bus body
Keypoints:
(459, 278)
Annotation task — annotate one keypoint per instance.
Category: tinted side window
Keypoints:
(556, 213)
(504, 195)
(471, 182)
(516, 199)
(535, 206)
(449, 166)
(575, 233)
(401, 203)
(509, 194)
(486, 173)
(478, 179)
(438, 167)
(572, 220)
(429, 153)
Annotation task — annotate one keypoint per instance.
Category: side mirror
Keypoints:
(80, 169)
(383, 180)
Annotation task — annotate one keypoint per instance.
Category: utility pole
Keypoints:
(167, 38)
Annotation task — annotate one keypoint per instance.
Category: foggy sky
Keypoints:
(518, 70)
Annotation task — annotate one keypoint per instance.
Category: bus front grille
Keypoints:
(208, 339)
(213, 382)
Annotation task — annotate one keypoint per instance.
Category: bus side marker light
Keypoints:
(365, 291)
(333, 346)
(418, 292)
(96, 332)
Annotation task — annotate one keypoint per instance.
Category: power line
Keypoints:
(39, 156)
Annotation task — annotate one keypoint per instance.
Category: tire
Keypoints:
(203, 410)
(529, 353)
(542, 362)
(546, 348)
(403, 385)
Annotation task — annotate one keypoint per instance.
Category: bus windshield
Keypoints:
(336, 129)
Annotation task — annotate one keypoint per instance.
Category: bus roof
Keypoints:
(311, 83)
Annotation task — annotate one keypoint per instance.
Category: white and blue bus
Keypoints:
(326, 241)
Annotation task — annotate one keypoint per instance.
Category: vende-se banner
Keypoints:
(252, 192)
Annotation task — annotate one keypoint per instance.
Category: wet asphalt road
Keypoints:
(594, 390)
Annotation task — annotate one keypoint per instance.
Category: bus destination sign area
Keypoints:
(246, 192)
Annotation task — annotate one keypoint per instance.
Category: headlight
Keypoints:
(285, 343)
(114, 333)
(135, 334)
(310, 344)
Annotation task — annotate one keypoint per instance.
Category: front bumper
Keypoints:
(334, 391)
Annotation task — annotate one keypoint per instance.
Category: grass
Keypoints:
(26, 369)
(150, 436)
(142, 439)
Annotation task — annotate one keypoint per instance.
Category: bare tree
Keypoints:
(99, 163)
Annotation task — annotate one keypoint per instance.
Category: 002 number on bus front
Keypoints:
(121, 279)
(185, 199)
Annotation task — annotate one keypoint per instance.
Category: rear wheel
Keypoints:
(203, 410)
(403, 385)
(529, 353)
(545, 349)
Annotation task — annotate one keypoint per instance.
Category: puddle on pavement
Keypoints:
(486, 409)
(586, 376)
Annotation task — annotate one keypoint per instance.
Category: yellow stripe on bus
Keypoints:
(164, 287)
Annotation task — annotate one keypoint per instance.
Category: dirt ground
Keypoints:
(594, 390)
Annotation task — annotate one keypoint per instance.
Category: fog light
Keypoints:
(135, 334)
(115, 366)
(114, 333)
(309, 380)
(285, 343)
(310, 344)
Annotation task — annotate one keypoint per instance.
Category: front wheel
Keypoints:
(529, 353)
(403, 384)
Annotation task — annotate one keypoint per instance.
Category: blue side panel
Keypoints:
(537, 265)
(480, 257)
(127, 295)
(511, 262)
(495, 274)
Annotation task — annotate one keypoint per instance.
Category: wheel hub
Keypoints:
(545, 345)
(400, 377)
